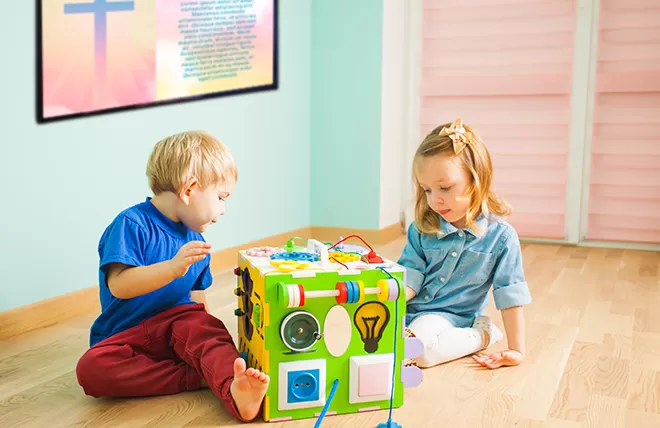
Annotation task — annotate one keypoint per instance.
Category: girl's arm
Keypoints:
(413, 260)
(511, 293)
(514, 324)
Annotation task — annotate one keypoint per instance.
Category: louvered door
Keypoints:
(505, 68)
(624, 188)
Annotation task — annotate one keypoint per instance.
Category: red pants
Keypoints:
(166, 354)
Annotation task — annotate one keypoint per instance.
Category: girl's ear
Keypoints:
(187, 191)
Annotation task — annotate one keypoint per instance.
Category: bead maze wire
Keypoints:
(352, 236)
(332, 258)
(298, 238)
(389, 422)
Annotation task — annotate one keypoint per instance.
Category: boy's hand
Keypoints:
(499, 359)
(188, 254)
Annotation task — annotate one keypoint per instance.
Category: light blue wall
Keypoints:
(346, 112)
(64, 182)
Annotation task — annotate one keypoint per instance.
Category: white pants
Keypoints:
(444, 342)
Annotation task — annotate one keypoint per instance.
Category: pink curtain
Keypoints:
(505, 68)
(624, 194)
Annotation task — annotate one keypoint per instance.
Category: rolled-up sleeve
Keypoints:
(413, 260)
(509, 284)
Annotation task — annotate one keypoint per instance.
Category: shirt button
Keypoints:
(454, 254)
(460, 234)
(427, 298)
(442, 279)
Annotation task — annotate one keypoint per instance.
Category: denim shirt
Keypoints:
(453, 270)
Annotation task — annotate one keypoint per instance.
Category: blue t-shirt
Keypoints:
(140, 236)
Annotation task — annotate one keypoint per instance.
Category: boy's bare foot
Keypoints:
(248, 389)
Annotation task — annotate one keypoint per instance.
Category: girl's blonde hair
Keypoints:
(177, 159)
(463, 142)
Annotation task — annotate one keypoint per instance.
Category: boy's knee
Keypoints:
(90, 373)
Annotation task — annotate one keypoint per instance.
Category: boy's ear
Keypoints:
(187, 190)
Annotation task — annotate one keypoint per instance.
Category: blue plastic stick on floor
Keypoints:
(335, 384)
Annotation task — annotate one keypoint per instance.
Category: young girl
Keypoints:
(458, 247)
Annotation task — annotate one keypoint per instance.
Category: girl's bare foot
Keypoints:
(248, 389)
(492, 334)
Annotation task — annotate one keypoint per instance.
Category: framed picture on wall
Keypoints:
(102, 56)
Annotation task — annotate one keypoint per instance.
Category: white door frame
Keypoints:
(585, 55)
(414, 9)
(583, 98)
(582, 103)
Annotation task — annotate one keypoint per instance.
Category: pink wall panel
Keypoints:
(504, 66)
(624, 198)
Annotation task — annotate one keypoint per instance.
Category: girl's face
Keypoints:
(445, 183)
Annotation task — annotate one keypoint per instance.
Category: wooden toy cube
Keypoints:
(309, 323)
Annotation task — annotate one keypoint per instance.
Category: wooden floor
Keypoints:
(593, 360)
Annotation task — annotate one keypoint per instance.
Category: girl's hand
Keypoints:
(499, 359)
(410, 293)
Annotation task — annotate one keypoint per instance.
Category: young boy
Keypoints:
(154, 336)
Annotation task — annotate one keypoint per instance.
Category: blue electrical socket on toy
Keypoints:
(303, 386)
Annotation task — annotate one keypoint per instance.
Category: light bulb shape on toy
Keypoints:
(371, 319)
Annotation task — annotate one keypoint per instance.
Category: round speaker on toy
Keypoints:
(300, 330)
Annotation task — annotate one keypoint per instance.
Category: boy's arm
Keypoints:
(199, 296)
(204, 281)
(126, 282)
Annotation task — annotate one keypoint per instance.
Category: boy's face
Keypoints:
(203, 207)
(445, 183)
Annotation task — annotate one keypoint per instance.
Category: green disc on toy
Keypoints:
(300, 331)
(282, 294)
(256, 315)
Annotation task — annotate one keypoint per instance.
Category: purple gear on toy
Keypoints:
(411, 375)
(413, 347)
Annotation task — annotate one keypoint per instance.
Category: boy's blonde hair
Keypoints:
(177, 159)
(460, 141)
